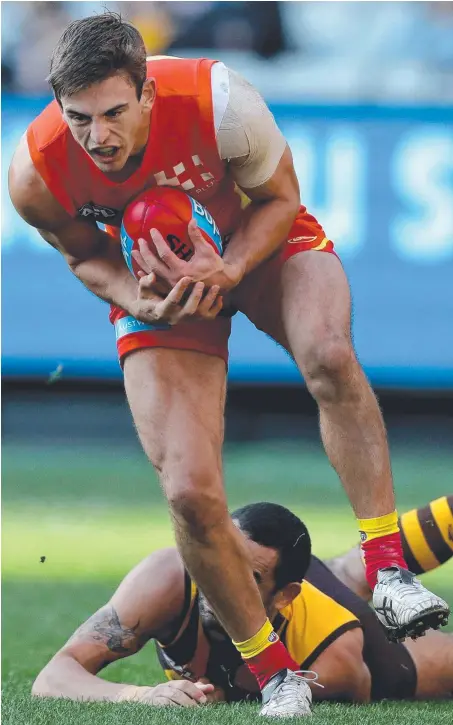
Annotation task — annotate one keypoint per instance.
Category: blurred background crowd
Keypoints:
(336, 50)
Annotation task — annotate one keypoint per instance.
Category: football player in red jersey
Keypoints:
(120, 124)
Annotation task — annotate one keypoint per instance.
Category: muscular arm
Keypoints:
(268, 219)
(144, 606)
(261, 164)
(342, 670)
(92, 255)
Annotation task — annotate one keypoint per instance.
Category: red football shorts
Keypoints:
(211, 337)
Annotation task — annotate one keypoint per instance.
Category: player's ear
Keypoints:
(286, 595)
(148, 93)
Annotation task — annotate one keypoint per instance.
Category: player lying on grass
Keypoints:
(327, 626)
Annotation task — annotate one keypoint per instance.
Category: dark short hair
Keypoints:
(93, 49)
(275, 526)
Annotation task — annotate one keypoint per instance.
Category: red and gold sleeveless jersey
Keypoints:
(181, 151)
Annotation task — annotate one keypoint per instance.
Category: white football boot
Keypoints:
(288, 694)
(404, 606)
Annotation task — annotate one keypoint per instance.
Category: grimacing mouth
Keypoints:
(105, 151)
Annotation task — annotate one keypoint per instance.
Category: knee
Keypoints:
(330, 366)
(196, 499)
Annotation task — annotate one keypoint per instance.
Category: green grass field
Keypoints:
(94, 512)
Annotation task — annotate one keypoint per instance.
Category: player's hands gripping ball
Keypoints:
(166, 232)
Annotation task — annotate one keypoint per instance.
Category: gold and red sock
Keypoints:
(265, 654)
(381, 545)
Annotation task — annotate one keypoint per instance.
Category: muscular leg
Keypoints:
(304, 303)
(309, 313)
(177, 402)
(315, 316)
(316, 319)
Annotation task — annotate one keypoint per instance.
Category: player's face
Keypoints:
(263, 561)
(109, 121)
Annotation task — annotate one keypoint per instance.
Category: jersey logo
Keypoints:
(180, 176)
(96, 212)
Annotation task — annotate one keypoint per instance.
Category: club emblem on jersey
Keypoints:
(98, 213)
(190, 176)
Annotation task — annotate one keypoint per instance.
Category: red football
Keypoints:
(169, 211)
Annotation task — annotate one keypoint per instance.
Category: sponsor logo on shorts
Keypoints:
(306, 240)
(129, 325)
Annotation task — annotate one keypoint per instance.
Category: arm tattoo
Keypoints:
(105, 626)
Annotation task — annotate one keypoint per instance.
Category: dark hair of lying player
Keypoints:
(276, 527)
(94, 48)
